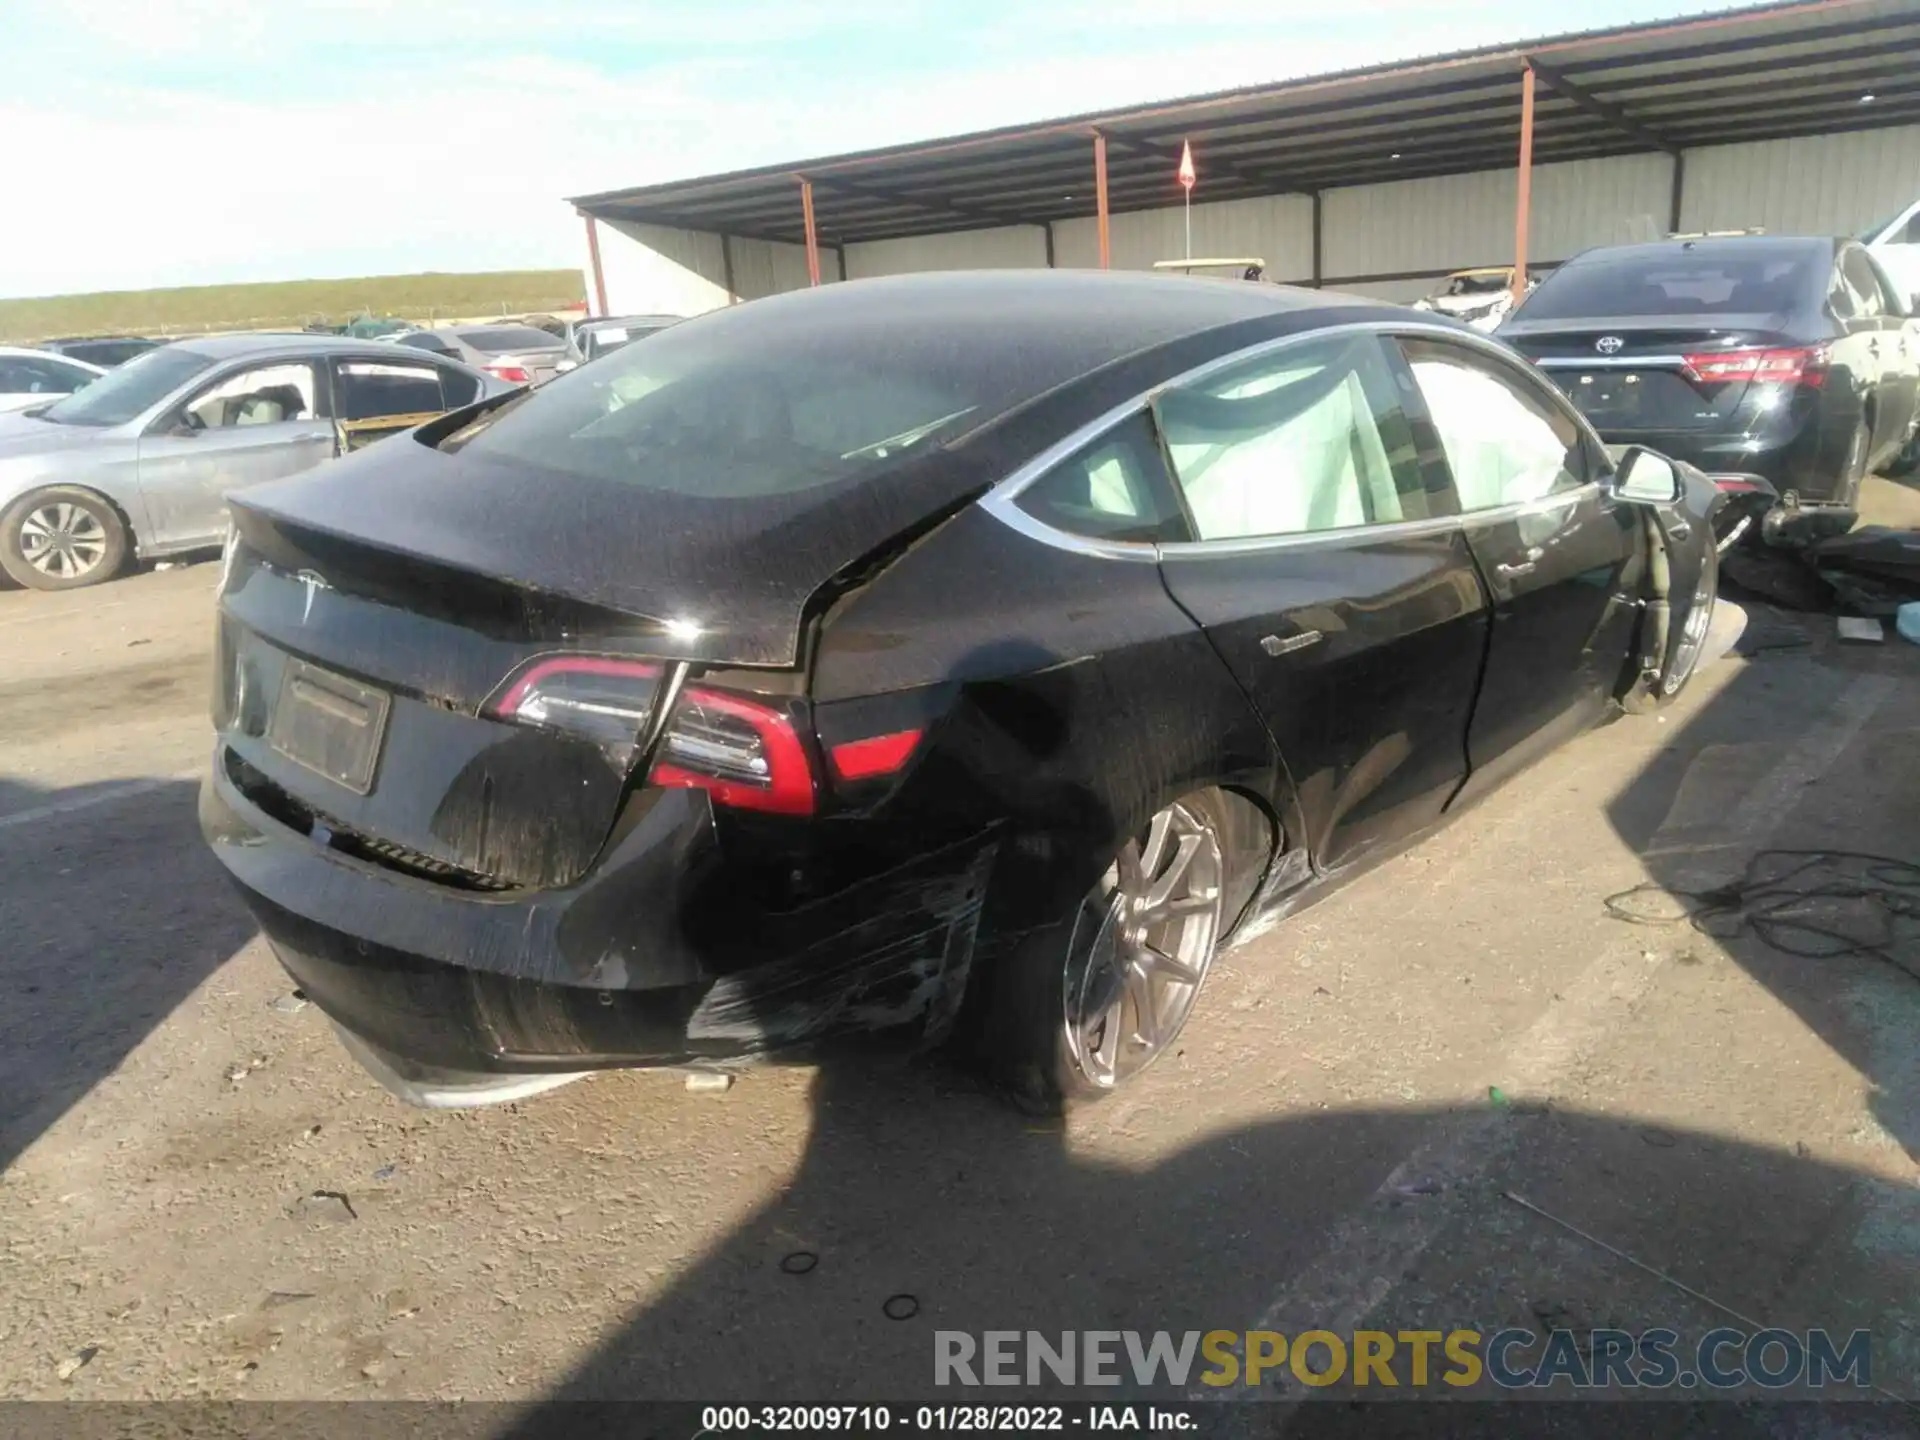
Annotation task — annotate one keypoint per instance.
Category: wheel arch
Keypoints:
(120, 512)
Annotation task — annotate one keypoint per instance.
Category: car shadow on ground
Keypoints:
(102, 941)
(1819, 745)
(977, 1219)
(924, 1204)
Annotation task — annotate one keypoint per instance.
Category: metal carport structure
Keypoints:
(1775, 71)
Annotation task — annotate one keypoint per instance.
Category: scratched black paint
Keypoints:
(579, 917)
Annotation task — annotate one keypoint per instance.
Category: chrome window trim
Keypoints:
(1606, 362)
(1001, 499)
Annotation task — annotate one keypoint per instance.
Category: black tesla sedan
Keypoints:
(1784, 357)
(966, 655)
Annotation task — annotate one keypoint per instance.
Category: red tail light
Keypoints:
(739, 751)
(599, 698)
(1806, 366)
(866, 759)
(512, 374)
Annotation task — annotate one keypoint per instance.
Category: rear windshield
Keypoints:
(697, 413)
(504, 338)
(121, 394)
(1675, 284)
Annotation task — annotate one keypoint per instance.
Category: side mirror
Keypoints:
(1645, 477)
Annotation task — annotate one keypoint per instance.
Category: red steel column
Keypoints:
(593, 257)
(813, 238)
(1100, 195)
(1523, 206)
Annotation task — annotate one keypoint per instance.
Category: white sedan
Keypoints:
(30, 377)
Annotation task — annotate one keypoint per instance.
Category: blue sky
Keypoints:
(173, 142)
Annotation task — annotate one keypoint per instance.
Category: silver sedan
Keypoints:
(140, 463)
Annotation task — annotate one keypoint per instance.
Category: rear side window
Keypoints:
(426, 340)
(457, 387)
(1677, 283)
(1308, 439)
(375, 390)
(1114, 489)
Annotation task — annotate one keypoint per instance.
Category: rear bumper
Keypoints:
(651, 959)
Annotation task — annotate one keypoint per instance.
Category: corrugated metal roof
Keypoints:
(1748, 74)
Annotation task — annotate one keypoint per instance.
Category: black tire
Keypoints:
(62, 537)
(1022, 1034)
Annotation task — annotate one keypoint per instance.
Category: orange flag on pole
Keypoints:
(1187, 174)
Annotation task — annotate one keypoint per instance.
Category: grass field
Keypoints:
(288, 303)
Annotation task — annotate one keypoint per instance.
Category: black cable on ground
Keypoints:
(1786, 898)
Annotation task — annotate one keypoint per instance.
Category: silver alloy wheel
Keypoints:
(63, 540)
(1693, 633)
(1159, 905)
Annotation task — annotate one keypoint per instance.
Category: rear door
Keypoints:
(1552, 545)
(1331, 574)
(377, 396)
(249, 425)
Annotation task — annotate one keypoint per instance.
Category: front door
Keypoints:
(245, 427)
(1553, 548)
(1331, 574)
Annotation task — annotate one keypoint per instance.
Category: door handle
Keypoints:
(1276, 647)
(1509, 572)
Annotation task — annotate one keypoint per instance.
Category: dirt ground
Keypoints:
(202, 1196)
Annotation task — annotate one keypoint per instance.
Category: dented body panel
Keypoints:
(827, 757)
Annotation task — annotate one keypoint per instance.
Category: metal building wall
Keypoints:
(1455, 221)
(1011, 247)
(654, 269)
(1820, 185)
(1275, 228)
(1386, 240)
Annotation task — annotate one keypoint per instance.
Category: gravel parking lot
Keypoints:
(204, 1197)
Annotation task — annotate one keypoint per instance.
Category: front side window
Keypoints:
(374, 390)
(1114, 489)
(268, 395)
(1863, 284)
(1506, 443)
(1309, 439)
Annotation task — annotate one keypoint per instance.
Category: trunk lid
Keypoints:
(491, 544)
(1631, 376)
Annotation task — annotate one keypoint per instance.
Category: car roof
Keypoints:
(1710, 246)
(1078, 320)
(265, 346)
(32, 350)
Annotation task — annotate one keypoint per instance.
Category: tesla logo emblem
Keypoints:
(1609, 344)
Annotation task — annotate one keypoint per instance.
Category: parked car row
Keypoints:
(1793, 360)
(143, 460)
